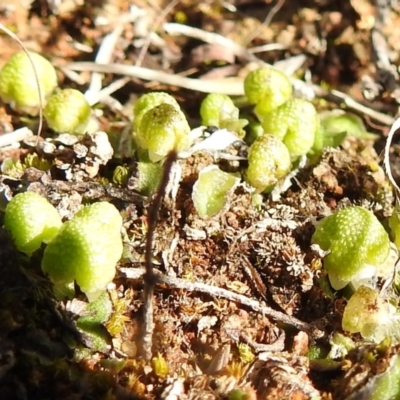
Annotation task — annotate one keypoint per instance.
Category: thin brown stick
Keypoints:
(150, 278)
(278, 345)
(95, 92)
(253, 304)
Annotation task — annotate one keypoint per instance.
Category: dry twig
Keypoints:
(339, 97)
(229, 86)
(276, 346)
(177, 283)
(104, 55)
(233, 87)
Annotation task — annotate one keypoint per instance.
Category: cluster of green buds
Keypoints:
(287, 130)
(159, 125)
(293, 121)
(84, 249)
(288, 126)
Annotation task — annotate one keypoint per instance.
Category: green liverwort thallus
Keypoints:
(32, 220)
(68, 111)
(18, 84)
(356, 243)
(269, 161)
(163, 129)
(86, 249)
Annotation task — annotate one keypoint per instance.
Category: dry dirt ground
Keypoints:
(240, 303)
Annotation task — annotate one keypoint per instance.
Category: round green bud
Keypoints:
(18, 85)
(32, 220)
(269, 161)
(357, 244)
(220, 111)
(267, 88)
(147, 102)
(86, 249)
(162, 130)
(68, 111)
(296, 123)
(215, 108)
